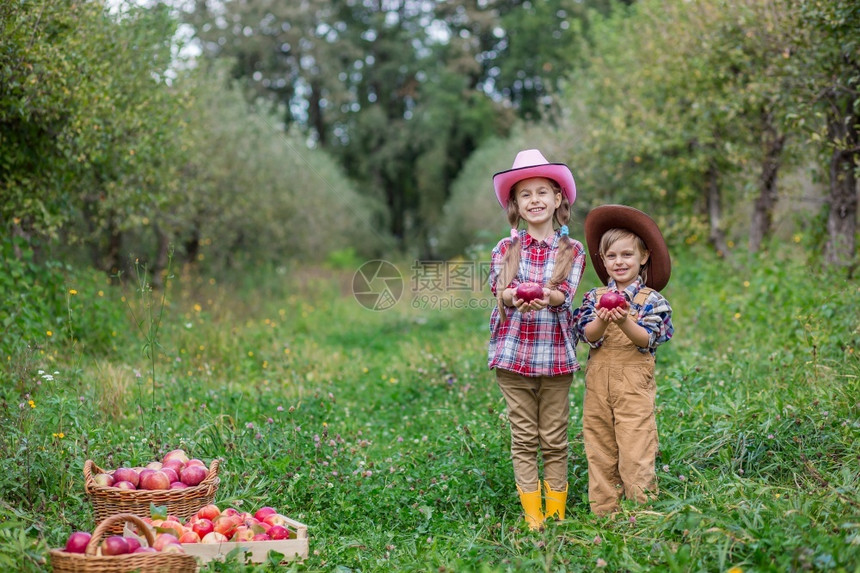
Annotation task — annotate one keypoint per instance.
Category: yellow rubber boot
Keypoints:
(532, 505)
(555, 501)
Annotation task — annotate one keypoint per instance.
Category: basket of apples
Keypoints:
(181, 483)
(212, 533)
(102, 552)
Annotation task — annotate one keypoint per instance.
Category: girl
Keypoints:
(531, 348)
(619, 427)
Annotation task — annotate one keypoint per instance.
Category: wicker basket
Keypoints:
(89, 562)
(183, 503)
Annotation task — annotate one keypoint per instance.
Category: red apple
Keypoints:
(226, 525)
(261, 537)
(171, 474)
(177, 454)
(242, 533)
(529, 291)
(115, 545)
(172, 548)
(251, 521)
(153, 466)
(103, 479)
(214, 537)
(612, 299)
(145, 550)
(173, 527)
(189, 537)
(78, 541)
(210, 511)
(133, 544)
(178, 485)
(174, 464)
(193, 475)
(230, 511)
(194, 462)
(124, 485)
(126, 474)
(261, 513)
(203, 526)
(275, 519)
(155, 480)
(279, 532)
(162, 539)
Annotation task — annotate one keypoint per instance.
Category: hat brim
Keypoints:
(601, 219)
(504, 181)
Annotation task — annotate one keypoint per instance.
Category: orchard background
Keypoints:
(189, 191)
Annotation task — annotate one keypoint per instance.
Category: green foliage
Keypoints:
(31, 298)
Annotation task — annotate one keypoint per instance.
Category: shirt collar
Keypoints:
(551, 241)
(631, 290)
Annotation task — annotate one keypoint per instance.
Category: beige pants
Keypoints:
(538, 410)
(619, 426)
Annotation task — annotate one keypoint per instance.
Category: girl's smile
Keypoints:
(537, 202)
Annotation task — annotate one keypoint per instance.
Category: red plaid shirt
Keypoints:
(537, 343)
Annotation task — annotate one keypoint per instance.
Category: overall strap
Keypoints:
(642, 295)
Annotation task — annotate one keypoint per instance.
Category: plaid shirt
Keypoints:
(655, 316)
(537, 343)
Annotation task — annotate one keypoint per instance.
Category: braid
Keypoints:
(511, 259)
(564, 256)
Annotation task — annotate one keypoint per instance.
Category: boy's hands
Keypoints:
(617, 315)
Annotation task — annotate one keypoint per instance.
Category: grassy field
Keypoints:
(384, 431)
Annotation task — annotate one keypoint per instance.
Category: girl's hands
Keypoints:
(536, 304)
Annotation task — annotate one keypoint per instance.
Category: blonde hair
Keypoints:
(511, 259)
(612, 236)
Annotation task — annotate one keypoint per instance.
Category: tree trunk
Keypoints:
(762, 217)
(162, 257)
(113, 257)
(841, 246)
(316, 113)
(715, 212)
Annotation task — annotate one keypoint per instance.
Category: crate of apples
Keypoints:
(212, 532)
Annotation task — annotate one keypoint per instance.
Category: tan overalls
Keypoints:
(619, 426)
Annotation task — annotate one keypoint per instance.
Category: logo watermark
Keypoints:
(377, 285)
(433, 285)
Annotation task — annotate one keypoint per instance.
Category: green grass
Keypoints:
(385, 433)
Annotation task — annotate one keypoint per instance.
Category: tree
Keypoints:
(825, 65)
(91, 129)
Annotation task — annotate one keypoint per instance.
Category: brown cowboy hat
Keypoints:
(601, 219)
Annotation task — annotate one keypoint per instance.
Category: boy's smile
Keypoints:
(623, 260)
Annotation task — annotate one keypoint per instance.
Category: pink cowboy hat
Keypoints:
(531, 163)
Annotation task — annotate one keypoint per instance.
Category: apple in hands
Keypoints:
(529, 291)
(612, 299)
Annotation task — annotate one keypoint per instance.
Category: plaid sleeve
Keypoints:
(496, 263)
(655, 316)
(569, 286)
(583, 315)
